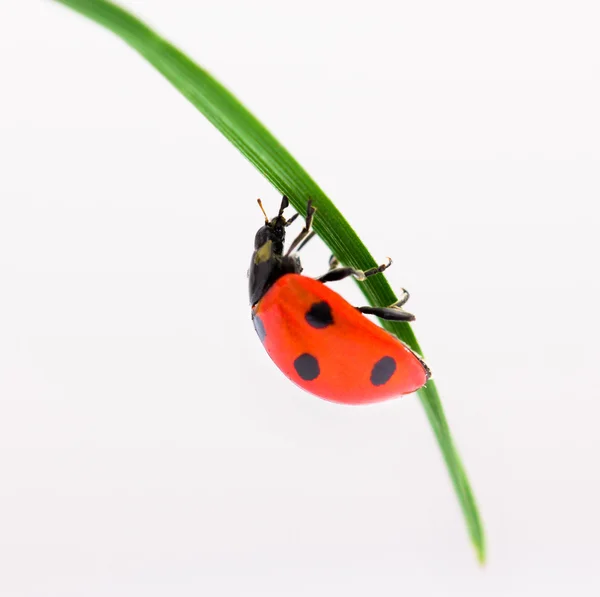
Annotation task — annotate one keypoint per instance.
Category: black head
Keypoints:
(268, 262)
(273, 231)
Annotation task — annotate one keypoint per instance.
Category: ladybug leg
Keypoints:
(291, 220)
(402, 300)
(312, 233)
(393, 313)
(378, 270)
(284, 204)
(305, 232)
(339, 273)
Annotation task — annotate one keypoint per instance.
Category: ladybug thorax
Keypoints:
(268, 262)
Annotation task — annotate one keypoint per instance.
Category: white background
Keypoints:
(147, 444)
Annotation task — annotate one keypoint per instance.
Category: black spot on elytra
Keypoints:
(259, 327)
(382, 371)
(307, 367)
(319, 315)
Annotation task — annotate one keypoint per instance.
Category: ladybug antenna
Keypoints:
(263, 210)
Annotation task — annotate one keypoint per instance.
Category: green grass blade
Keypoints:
(259, 146)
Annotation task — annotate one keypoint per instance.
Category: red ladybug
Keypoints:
(319, 340)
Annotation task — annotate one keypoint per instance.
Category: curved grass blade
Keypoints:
(259, 146)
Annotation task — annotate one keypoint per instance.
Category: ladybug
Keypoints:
(317, 339)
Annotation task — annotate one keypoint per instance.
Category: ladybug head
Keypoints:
(273, 230)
